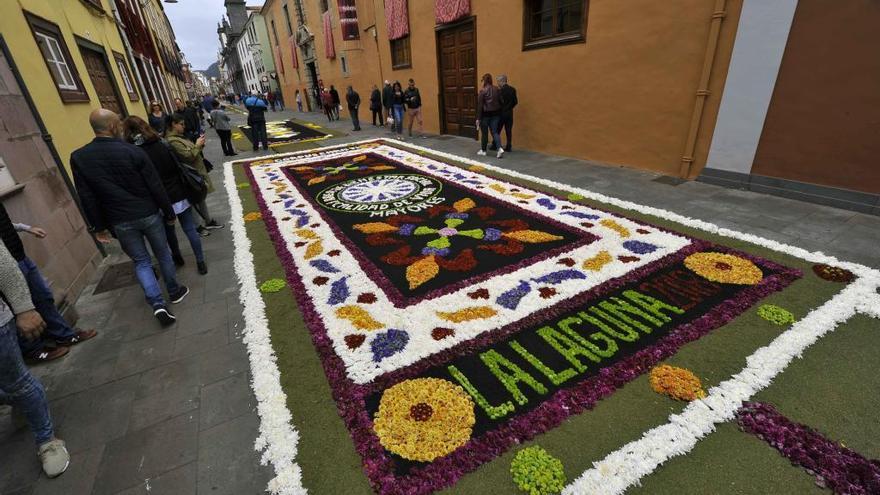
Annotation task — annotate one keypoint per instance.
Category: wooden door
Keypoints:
(102, 80)
(457, 64)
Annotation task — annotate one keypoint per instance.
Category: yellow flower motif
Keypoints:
(253, 216)
(464, 205)
(374, 227)
(421, 271)
(313, 250)
(620, 229)
(359, 317)
(597, 262)
(424, 418)
(307, 234)
(678, 383)
(467, 314)
(531, 236)
(724, 268)
(476, 168)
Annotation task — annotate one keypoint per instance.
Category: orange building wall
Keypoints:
(823, 124)
(624, 97)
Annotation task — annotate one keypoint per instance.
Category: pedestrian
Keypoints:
(191, 154)
(336, 101)
(271, 97)
(488, 113)
(168, 168)
(18, 387)
(507, 94)
(256, 107)
(59, 335)
(299, 101)
(414, 106)
(354, 101)
(122, 196)
(191, 119)
(376, 106)
(158, 117)
(327, 102)
(223, 127)
(387, 92)
(279, 99)
(397, 105)
(318, 92)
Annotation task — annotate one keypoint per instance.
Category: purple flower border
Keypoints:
(582, 238)
(446, 471)
(841, 469)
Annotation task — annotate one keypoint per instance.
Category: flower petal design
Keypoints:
(338, 292)
(467, 314)
(324, 265)
(422, 230)
(510, 299)
(560, 276)
(314, 249)
(423, 270)
(464, 205)
(597, 262)
(440, 243)
(359, 317)
(611, 224)
(388, 343)
(374, 227)
(532, 236)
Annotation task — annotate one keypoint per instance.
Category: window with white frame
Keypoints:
(126, 77)
(58, 60)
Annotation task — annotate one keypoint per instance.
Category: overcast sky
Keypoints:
(195, 26)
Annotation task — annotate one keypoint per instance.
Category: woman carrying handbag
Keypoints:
(191, 154)
(184, 186)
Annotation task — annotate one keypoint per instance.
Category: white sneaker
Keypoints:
(481, 153)
(55, 458)
(500, 152)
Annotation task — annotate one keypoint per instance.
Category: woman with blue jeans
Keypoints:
(138, 132)
(397, 100)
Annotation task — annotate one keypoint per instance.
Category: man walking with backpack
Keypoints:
(256, 107)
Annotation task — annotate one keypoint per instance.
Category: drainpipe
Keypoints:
(703, 92)
(128, 51)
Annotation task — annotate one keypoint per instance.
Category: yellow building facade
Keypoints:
(71, 58)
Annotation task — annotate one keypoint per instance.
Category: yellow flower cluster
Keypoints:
(468, 314)
(597, 262)
(724, 268)
(252, 216)
(620, 229)
(424, 418)
(678, 383)
(359, 317)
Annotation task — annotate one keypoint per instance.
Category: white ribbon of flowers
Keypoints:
(627, 465)
(278, 439)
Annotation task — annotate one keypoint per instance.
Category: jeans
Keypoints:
(188, 224)
(226, 141)
(505, 122)
(19, 388)
(489, 124)
(56, 327)
(397, 113)
(354, 118)
(131, 237)
(258, 135)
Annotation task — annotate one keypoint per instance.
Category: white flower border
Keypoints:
(620, 469)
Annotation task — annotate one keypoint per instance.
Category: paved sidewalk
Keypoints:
(152, 411)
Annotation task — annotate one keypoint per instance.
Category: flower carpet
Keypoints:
(288, 132)
(418, 322)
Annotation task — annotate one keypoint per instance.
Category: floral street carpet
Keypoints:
(287, 131)
(432, 317)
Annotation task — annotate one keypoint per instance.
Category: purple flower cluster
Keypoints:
(388, 344)
(835, 467)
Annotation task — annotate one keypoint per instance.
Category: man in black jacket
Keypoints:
(58, 332)
(121, 193)
(376, 106)
(191, 119)
(508, 101)
(413, 100)
(353, 99)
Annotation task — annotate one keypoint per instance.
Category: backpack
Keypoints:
(193, 182)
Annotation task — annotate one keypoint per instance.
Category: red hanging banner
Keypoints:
(396, 19)
(446, 11)
(329, 48)
(292, 41)
(348, 20)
